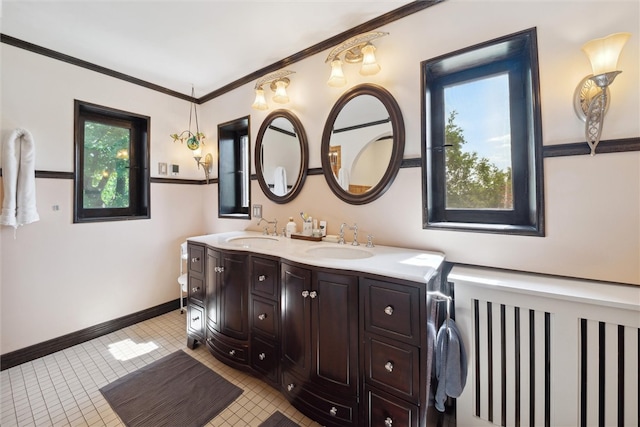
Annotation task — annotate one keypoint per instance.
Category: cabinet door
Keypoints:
(295, 312)
(213, 289)
(334, 332)
(234, 290)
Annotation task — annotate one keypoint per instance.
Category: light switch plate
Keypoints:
(162, 168)
(257, 211)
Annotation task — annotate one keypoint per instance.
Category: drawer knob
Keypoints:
(195, 259)
(333, 411)
(262, 356)
(388, 422)
(232, 352)
(218, 269)
(388, 310)
(262, 278)
(262, 316)
(290, 387)
(194, 319)
(196, 289)
(305, 294)
(388, 366)
(313, 294)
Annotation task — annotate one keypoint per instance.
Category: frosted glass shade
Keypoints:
(369, 64)
(604, 53)
(260, 102)
(281, 96)
(337, 78)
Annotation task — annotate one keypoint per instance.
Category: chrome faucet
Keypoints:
(275, 226)
(341, 239)
(355, 234)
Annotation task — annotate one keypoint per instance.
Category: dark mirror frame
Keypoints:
(397, 152)
(304, 156)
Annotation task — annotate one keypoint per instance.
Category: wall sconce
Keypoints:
(591, 99)
(207, 164)
(356, 49)
(278, 83)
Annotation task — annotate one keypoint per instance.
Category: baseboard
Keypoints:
(36, 351)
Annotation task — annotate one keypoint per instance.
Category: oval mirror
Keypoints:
(362, 144)
(281, 158)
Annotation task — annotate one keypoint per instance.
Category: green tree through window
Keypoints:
(106, 166)
(473, 181)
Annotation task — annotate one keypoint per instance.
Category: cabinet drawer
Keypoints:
(328, 410)
(231, 351)
(264, 277)
(195, 320)
(393, 366)
(264, 317)
(264, 358)
(384, 410)
(392, 310)
(195, 290)
(196, 259)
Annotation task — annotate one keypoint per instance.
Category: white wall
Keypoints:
(58, 277)
(54, 279)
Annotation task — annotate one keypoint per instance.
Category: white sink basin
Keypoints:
(338, 252)
(253, 241)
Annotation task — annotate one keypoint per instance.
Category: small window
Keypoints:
(234, 170)
(482, 157)
(111, 179)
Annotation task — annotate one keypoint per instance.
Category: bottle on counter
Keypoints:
(291, 227)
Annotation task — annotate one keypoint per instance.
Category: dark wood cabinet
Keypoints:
(196, 294)
(226, 306)
(264, 315)
(346, 348)
(394, 352)
(320, 342)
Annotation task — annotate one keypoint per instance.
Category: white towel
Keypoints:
(343, 179)
(19, 180)
(279, 181)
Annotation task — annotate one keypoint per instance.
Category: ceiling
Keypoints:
(176, 44)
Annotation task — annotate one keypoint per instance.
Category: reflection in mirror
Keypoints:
(362, 144)
(281, 156)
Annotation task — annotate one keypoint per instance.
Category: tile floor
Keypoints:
(62, 389)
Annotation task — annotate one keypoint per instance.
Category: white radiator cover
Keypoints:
(546, 350)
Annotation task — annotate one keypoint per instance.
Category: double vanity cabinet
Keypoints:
(340, 331)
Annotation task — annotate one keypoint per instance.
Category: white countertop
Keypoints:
(408, 264)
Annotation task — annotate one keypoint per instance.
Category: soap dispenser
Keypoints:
(291, 227)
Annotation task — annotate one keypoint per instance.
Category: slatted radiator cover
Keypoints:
(547, 351)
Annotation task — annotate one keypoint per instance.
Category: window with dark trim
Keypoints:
(234, 160)
(111, 177)
(482, 138)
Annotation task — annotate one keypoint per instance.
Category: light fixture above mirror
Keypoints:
(356, 49)
(278, 83)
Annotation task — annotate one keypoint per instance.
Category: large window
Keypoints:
(482, 159)
(111, 164)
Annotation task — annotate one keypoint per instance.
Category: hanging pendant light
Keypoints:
(193, 139)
